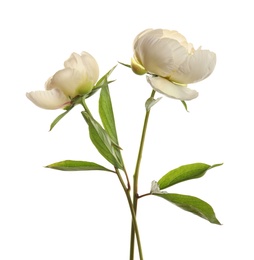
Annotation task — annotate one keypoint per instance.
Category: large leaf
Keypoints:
(107, 114)
(102, 141)
(184, 173)
(70, 165)
(107, 117)
(191, 204)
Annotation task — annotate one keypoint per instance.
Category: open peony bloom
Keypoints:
(78, 77)
(173, 62)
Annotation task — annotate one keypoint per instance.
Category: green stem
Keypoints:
(83, 103)
(135, 179)
(134, 221)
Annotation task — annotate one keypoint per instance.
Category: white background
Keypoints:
(47, 214)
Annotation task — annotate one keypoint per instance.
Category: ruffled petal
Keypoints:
(170, 89)
(49, 99)
(91, 66)
(71, 82)
(180, 38)
(85, 64)
(195, 68)
(159, 55)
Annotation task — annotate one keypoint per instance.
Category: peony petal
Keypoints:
(49, 99)
(159, 55)
(195, 68)
(71, 82)
(85, 64)
(91, 66)
(180, 38)
(170, 89)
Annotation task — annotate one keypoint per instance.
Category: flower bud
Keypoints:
(79, 76)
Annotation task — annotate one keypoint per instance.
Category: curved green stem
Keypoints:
(134, 221)
(135, 178)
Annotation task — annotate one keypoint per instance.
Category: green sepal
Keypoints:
(185, 105)
(184, 173)
(191, 204)
(151, 102)
(102, 141)
(70, 165)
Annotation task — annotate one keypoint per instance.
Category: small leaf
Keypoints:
(102, 141)
(191, 204)
(151, 102)
(70, 165)
(184, 173)
(185, 105)
(59, 118)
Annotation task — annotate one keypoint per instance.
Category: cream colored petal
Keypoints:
(180, 38)
(195, 68)
(171, 90)
(91, 66)
(69, 82)
(159, 56)
(49, 99)
(140, 35)
(74, 61)
(85, 63)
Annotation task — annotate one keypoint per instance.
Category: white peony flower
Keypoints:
(79, 76)
(172, 61)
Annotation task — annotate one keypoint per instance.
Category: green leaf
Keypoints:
(59, 118)
(70, 165)
(184, 173)
(108, 119)
(191, 204)
(107, 114)
(151, 102)
(102, 141)
(185, 105)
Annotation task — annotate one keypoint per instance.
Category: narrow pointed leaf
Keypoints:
(107, 114)
(102, 141)
(70, 165)
(184, 173)
(59, 118)
(191, 204)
